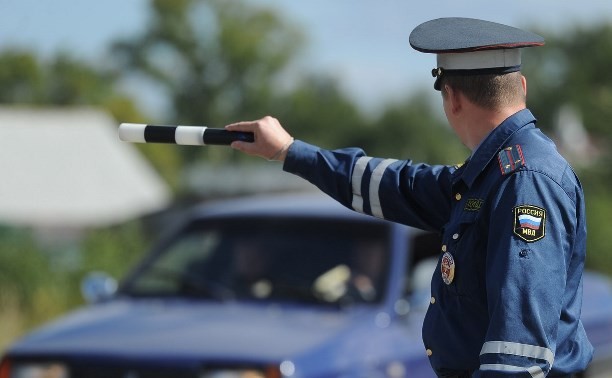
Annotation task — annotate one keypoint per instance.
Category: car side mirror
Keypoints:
(97, 287)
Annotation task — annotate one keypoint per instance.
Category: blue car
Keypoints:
(266, 287)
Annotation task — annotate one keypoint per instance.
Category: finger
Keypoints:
(245, 147)
(241, 126)
(239, 146)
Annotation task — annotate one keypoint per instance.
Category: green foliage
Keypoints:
(114, 250)
(596, 181)
(599, 255)
(21, 77)
(19, 255)
(412, 131)
(40, 280)
(215, 60)
(573, 69)
(61, 81)
(318, 112)
(32, 290)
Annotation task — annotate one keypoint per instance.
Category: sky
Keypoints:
(364, 43)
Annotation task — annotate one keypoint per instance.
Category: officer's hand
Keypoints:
(271, 140)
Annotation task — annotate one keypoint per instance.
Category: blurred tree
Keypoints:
(572, 72)
(412, 130)
(574, 68)
(61, 81)
(21, 77)
(220, 62)
(216, 61)
(319, 112)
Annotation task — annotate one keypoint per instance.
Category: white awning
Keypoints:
(66, 167)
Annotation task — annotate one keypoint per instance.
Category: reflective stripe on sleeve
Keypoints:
(356, 182)
(517, 349)
(375, 181)
(534, 371)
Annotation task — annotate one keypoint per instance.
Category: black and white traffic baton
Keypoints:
(184, 135)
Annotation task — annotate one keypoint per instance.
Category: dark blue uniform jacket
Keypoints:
(507, 291)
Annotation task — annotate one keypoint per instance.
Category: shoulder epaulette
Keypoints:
(510, 159)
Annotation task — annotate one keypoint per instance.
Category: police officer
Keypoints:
(506, 295)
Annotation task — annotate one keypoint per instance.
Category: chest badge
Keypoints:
(447, 267)
(529, 222)
(473, 204)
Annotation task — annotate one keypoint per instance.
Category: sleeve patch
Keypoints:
(529, 222)
(510, 159)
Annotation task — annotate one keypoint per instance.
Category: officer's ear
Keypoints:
(453, 98)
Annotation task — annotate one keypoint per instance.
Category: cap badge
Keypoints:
(447, 267)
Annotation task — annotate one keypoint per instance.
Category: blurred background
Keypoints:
(74, 199)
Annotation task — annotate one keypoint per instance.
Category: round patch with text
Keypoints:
(447, 267)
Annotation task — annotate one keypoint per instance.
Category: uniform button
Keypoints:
(429, 352)
(432, 300)
(458, 196)
(455, 236)
(444, 248)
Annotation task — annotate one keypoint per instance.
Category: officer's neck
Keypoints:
(479, 122)
(471, 122)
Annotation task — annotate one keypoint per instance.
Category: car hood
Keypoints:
(190, 329)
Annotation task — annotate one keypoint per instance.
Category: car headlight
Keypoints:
(234, 373)
(34, 370)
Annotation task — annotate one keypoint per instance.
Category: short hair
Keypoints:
(491, 92)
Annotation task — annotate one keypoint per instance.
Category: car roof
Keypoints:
(291, 205)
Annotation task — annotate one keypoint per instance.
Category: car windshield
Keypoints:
(276, 259)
